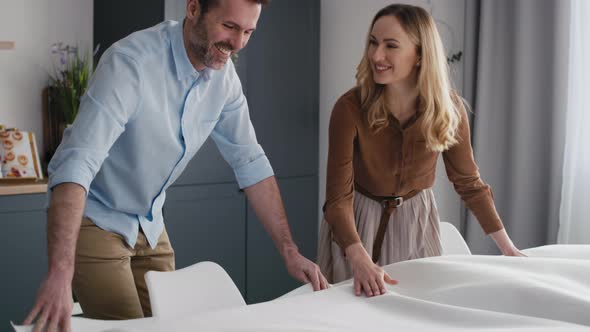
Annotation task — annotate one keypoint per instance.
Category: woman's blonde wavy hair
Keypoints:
(436, 97)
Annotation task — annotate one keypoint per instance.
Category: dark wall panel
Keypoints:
(283, 85)
(115, 19)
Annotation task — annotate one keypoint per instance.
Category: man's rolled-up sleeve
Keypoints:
(236, 139)
(112, 97)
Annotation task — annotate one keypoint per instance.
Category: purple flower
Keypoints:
(56, 48)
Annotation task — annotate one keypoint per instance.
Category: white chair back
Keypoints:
(201, 287)
(452, 241)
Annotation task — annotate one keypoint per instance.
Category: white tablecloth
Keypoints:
(548, 291)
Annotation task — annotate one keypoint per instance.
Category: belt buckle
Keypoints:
(399, 201)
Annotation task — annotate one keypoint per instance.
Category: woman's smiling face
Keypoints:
(391, 53)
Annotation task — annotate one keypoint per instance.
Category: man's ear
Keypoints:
(193, 9)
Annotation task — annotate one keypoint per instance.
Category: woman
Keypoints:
(385, 138)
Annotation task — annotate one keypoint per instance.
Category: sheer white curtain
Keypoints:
(574, 215)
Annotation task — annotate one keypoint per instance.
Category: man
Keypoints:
(153, 100)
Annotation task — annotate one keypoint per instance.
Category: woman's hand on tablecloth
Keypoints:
(513, 251)
(368, 276)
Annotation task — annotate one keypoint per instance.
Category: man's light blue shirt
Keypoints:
(146, 112)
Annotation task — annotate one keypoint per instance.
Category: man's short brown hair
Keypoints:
(208, 4)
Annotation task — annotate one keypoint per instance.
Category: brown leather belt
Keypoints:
(389, 203)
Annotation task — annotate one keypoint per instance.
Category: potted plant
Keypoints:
(70, 79)
(67, 85)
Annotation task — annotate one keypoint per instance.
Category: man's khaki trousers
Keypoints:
(109, 275)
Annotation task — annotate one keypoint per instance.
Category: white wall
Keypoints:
(34, 25)
(344, 26)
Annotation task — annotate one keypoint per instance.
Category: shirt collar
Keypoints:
(184, 68)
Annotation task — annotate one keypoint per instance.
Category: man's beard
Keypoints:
(201, 47)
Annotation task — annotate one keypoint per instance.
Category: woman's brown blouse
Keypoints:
(393, 162)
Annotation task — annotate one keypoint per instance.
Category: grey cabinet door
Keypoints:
(23, 253)
(267, 277)
(282, 80)
(206, 167)
(207, 223)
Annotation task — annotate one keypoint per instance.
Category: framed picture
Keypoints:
(19, 157)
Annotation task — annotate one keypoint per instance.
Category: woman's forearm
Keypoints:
(502, 240)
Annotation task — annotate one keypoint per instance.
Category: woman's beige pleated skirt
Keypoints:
(412, 232)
